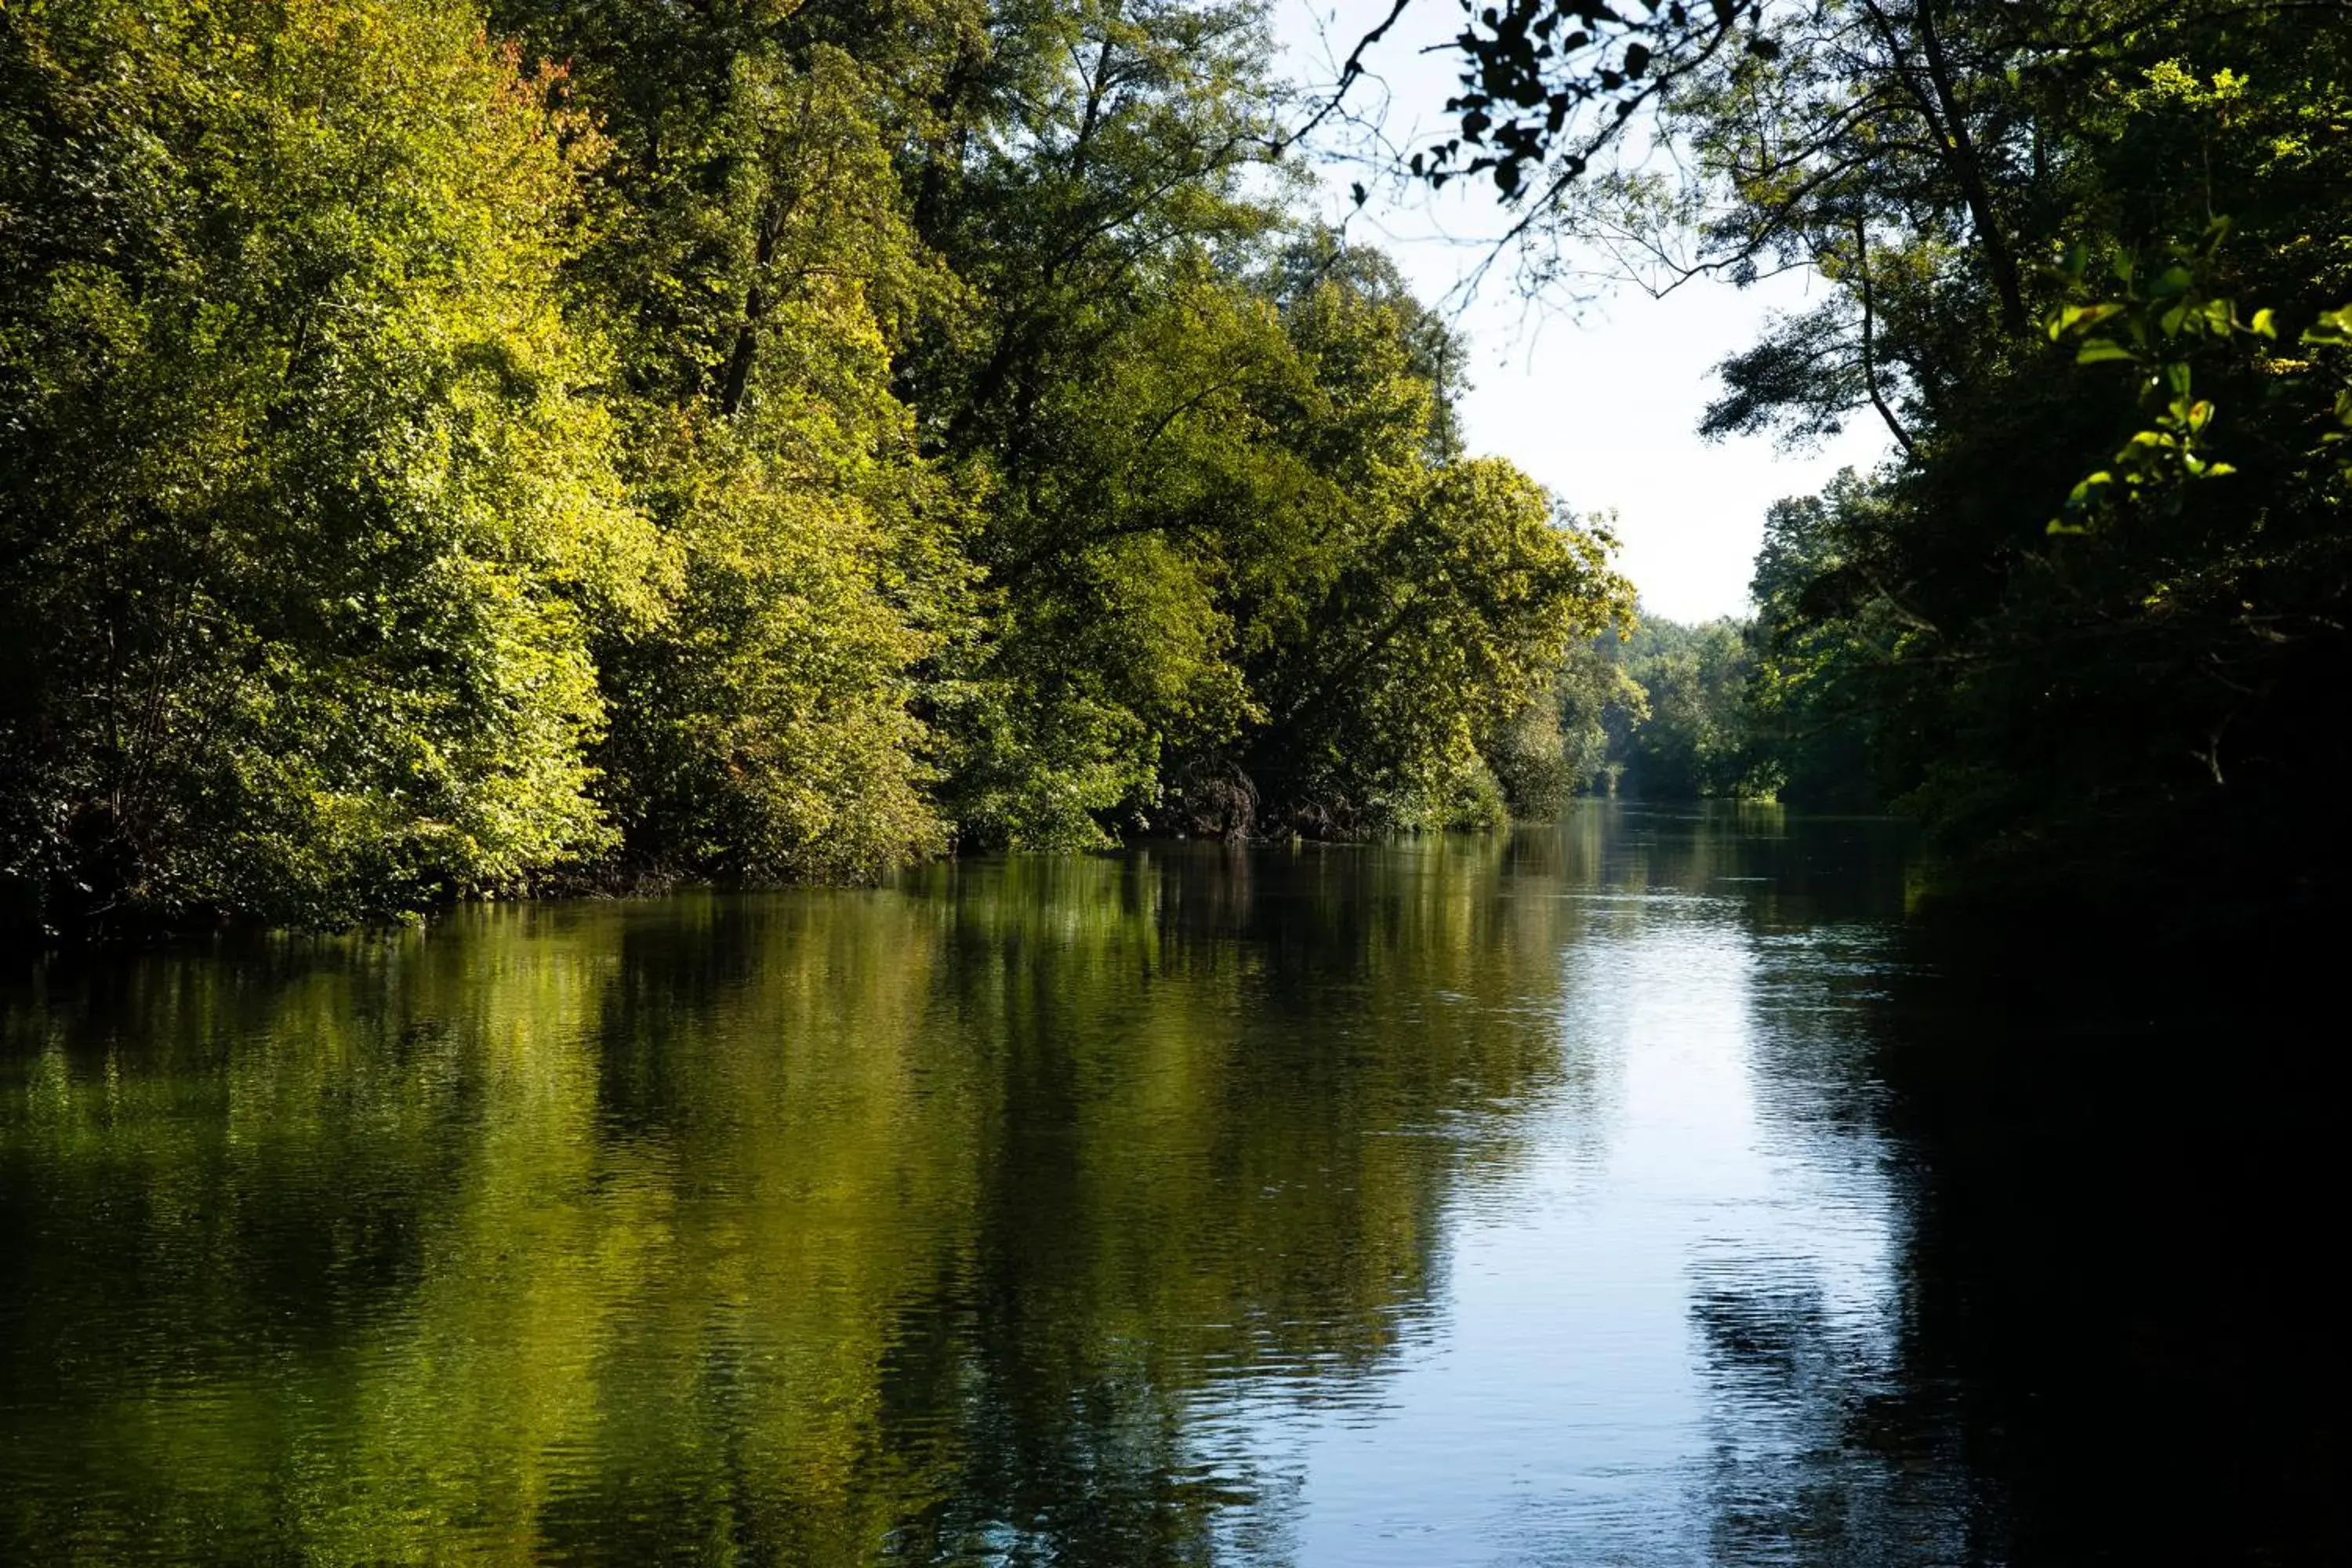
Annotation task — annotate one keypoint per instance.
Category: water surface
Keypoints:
(1548, 1199)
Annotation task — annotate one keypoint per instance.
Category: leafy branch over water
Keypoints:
(2128, 708)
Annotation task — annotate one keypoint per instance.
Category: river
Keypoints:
(1631, 1191)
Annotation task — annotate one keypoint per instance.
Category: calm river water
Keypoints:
(1619, 1193)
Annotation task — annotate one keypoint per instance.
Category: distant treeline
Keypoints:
(1660, 710)
(455, 451)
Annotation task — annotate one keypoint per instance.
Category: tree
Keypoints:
(1689, 738)
(1091, 192)
(304, 513)
(1811, 698)
(754, 235)
(2092, 611)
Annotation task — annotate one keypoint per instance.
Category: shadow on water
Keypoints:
(2128, 1164)
(1631, 1190)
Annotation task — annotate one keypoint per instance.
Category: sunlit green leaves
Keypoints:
(766, 446)
(311, 533)
(2332, 330)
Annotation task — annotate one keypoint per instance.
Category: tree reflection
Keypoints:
(945, 1223)
(1823, 1452)
(2128, 1159)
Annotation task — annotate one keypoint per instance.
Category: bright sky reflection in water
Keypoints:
(1467, 1202)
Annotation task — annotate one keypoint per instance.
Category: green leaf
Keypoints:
(2075, 317)
(2333, 327)
(2083, 491)
(2103, 351)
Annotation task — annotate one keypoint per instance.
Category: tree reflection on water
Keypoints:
(1568, 1198)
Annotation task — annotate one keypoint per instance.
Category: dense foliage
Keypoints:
(2086, 263)
(305, 507)
(453, 453)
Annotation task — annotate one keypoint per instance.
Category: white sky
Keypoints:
(1600, 403)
